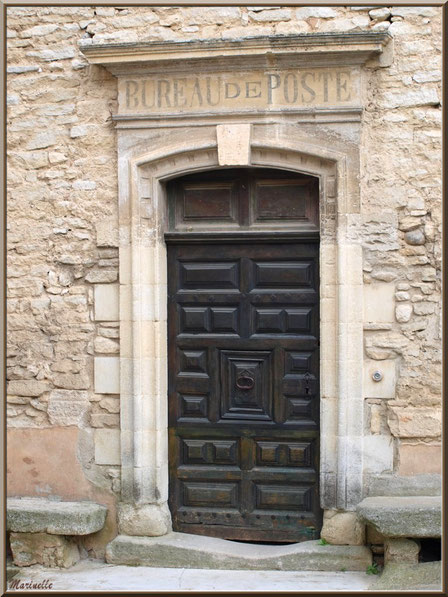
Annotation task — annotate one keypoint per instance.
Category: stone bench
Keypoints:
(401, 520)
(43, 531)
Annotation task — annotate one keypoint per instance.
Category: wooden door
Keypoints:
(244, 388)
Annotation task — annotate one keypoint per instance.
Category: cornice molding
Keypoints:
(316, 49)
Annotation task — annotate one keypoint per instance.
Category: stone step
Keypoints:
(182, 550)
(407, 516)
(40, 515)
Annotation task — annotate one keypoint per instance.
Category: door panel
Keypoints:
(244, 389)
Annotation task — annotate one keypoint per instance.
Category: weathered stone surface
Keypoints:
(403, 313)
(39, 515)
(107, 233)
(27, 387)
(104, 420)
(181, 550)
(403, 516)
(112, 405)
(101, 276)
(15, 70)
(233, 144)
(105, 345)
(317, 12)
(401, 486)
(414, 422)
(342, 528)
(378, 302)
(68, 407)
(107, 446)
(107, 375)
(401, 550)
(415, 237)
(147, 520)
(379, 14)
(72, 381)
(426, 576)
(51, 551)
(408, 99)
(417, 459)
(107, 307)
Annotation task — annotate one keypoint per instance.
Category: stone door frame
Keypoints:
(143, 168)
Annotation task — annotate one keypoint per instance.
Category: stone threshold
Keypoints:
(182, 550)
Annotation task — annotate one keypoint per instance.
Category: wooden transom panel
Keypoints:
(244, 198)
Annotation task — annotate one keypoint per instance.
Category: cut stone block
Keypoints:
(403, 516)
(379, 303)
(107, 302)
(378, 453)
(107, 375)
(233, 144)
(51, 551)
(40, 515)
(385, 388)
(416, 459)
(182, 550)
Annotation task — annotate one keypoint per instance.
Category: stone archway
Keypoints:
(145, 163)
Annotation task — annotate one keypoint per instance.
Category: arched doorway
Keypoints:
(243, 352)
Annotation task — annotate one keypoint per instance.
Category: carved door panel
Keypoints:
(244, 388)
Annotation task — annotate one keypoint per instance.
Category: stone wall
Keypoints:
(63, 331)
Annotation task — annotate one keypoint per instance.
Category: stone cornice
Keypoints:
(310, 49)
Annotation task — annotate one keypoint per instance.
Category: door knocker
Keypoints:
(245, 381)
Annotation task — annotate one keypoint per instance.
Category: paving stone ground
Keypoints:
(88, 576)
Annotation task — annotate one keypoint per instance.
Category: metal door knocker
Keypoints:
(245, 381)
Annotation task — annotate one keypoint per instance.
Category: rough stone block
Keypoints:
(379, 303)
(342, 528)
(148, 520)
(40, 515)
(51, 551)
(68, 407)
(107, 303)
(379, 389)
(107, 375)
(107, 446)
(401, 550)
(403, 313)
(27, 387)
(416, 459)
(233, 144)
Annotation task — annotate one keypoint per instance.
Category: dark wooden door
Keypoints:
(243, 390)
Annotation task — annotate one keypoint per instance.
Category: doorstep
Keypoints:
(182, 550)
